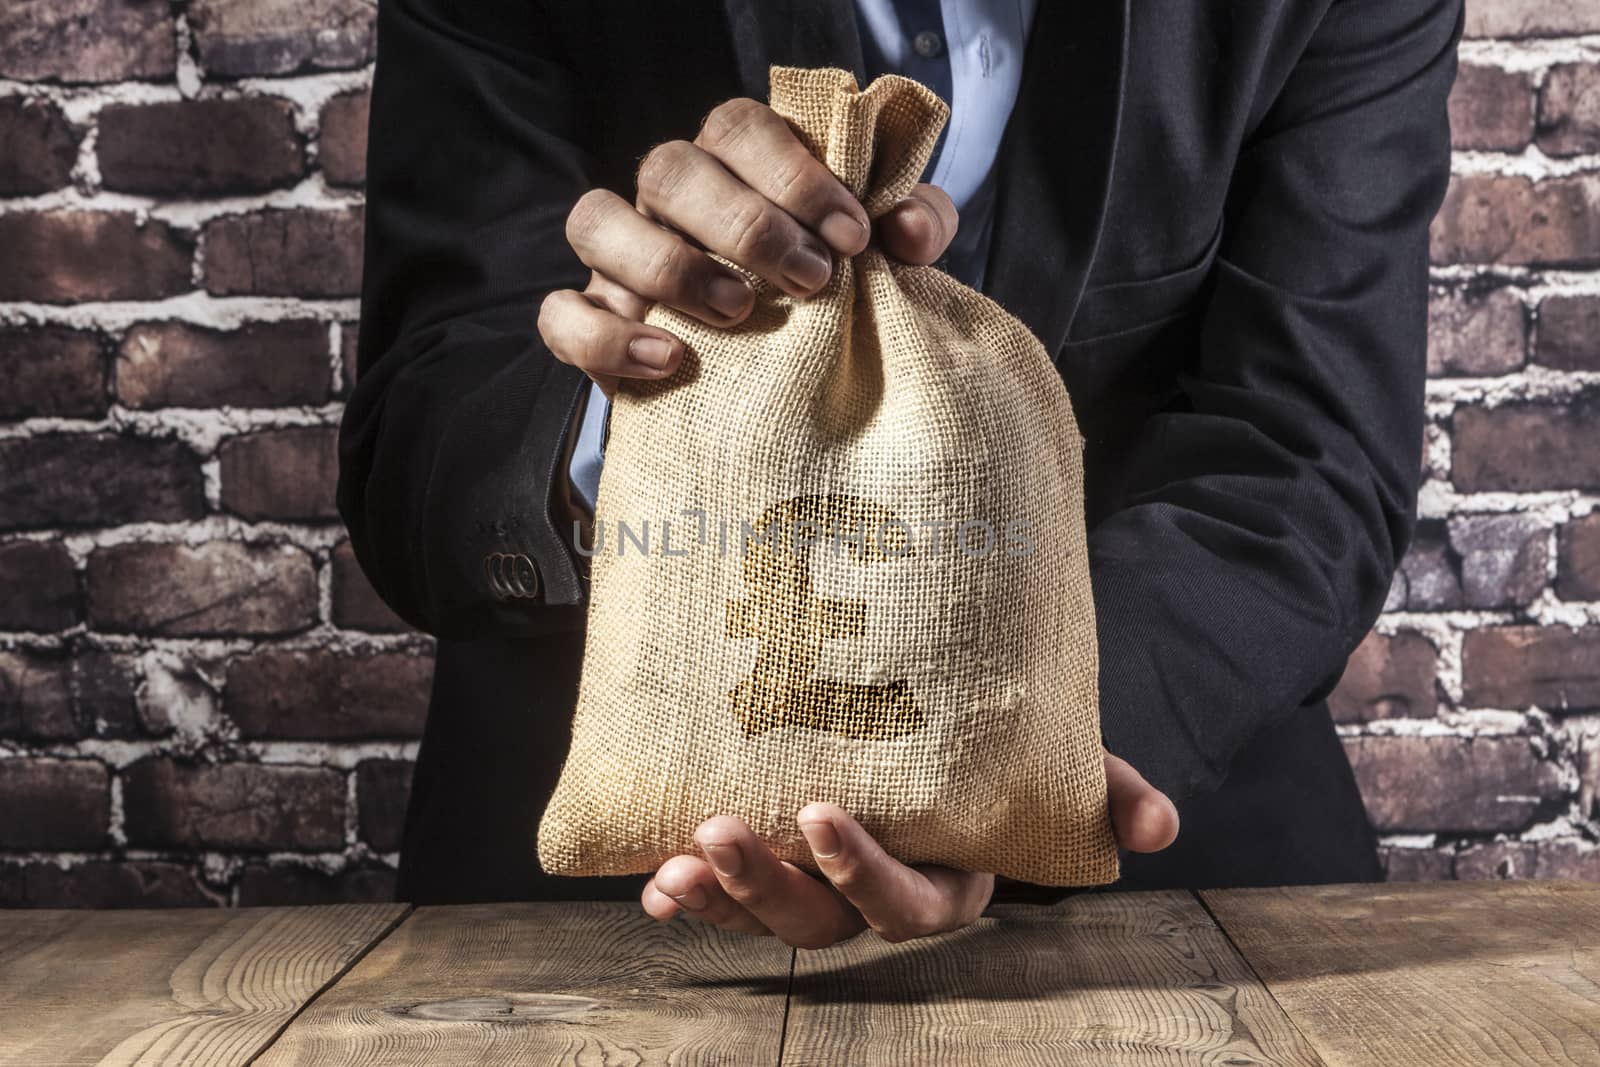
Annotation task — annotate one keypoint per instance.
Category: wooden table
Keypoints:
(1503, 973)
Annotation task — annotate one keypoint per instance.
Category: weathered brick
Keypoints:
(1504, 558)
(267, 364)
(41, 588)
(324, 695)
(233, 805)
(296, 252)
(1569, 110)
(1569, 333)
(1527, 447)
(1495, 860)
(1491, 109)
(245, 37)
(102, 884)
(221, 587)
(1569, 859)
(292, 885)
(1451, 784)
(1577, 559)
(382, 786)
(104, 688)
(71, 480)
(1387, 678)
(38, 147)
(1532, 18)
(1554, 667)
(356, 605)
(87, 41)
(200, 147)
(1429, 569)
(349, 350)
(281, 474)
(1511, 220)
(51, 371)
(36, 697)
(60, 805)
(69, 257)
(342, 145)
(1475, 333)
(1417, 865)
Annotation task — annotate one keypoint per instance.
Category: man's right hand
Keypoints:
(746, 189)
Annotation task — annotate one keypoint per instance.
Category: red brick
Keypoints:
(1569, 333)
(1532, 18)
(1387, 678)
(1504, 558)
(1554, 667)
(322, 695)
(1451, 784)
(52, 804)
(1577, 559)
(297, 252)
(72, 480)
(51, 371)
(1475, 333)
(245, 37)
(36, 697)
(38, 147)
(69, 257)
(382, 786)
(199, 147)
(1528, 447)
(1569, 110)
(289, 885)
(281, 474)
(220, 587)
(233, 805)
(41, 587)
(103, 884)
(356, 605)
(1491, 109)
(1417, 865)
(87, 41)
(342, 146)
(1510, 220)
(174, 364)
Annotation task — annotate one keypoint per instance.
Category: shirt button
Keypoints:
(927, 44)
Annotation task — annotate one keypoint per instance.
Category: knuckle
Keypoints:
(667, 268)
(847, 874)
(729, 122)
(662, 170)
(752, 227)
(794, 181)
(587, 216)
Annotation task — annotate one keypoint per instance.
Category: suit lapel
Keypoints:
(793, 33)
(1056, 161)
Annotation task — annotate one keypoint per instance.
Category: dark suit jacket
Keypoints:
(1214, 213)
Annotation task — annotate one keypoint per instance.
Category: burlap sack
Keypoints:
(839, 556)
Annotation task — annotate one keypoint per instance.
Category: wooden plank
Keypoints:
(196, 986)
(589, 983)
(1099, 979)
(1446, 973)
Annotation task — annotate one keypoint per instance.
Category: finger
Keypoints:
(612, 238)
(688, 882)
(896, 901)
(1143, 818)
(616, 297)
(602, 343)
(686, 187)
(800, 910)
(919, 228)
(760, 149)
(657, 904)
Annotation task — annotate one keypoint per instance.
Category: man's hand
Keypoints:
(741, 885)
(746, 189)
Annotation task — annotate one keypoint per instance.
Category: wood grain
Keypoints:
(549, 983)
(1445, 973)
(1100, 979)
(175, 986)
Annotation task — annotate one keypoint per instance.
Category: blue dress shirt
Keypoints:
(970, 53)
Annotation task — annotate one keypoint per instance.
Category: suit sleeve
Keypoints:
(453, 437)
(1267, 513)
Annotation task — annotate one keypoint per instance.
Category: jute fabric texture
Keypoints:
(839, 556)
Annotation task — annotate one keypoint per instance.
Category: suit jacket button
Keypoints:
(524, 577)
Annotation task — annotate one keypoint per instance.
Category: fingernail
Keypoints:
(844, 231)
(693, 900)
(823, 839)
(727, 296)
(651, 351)
(806, 268)
(727, 860)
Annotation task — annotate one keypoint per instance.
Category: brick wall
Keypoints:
(202, 701)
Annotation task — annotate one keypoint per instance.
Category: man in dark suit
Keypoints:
(1213, 214)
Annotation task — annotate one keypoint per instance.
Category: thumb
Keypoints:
(919, 228)
(1143, 818)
